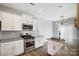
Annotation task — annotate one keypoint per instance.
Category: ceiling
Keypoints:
(48, 11)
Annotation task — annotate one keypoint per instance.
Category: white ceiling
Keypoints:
(48, 11)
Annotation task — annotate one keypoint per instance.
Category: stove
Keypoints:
(29, 42)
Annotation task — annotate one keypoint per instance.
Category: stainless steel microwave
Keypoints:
(27, 27)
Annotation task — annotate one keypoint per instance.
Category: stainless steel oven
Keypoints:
(29, 44)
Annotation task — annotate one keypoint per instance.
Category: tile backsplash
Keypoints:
(0, 35)
(9, 34)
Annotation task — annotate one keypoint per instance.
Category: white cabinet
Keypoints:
(27, 19)
(12, 48)
(39, 42)
(7, 49)
(53, 47)
(18, 23)
(19, 47)
(11, 22)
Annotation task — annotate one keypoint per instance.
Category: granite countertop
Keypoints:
(57, 40)
(10, 39)
(38, 36)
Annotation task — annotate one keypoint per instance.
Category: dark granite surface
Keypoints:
(57, 40)
(10, 39)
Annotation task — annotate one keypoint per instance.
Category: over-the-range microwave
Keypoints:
(27, 27)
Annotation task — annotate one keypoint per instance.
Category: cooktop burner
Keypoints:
(27, 37)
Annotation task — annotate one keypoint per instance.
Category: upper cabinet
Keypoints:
(77, 18)
(11, 22)
(27, 19)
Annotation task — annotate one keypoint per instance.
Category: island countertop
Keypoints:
(57, 40)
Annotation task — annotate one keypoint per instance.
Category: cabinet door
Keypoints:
(7, 49)
(11, 22)
(30, 21)
(17, 23)
(38, 42)
(26, 19)
(7, 21)
(19, 47)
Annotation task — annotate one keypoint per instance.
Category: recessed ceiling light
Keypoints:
(32, 4)
(62, 16)
(60, 6)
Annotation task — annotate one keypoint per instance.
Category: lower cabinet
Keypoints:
(7, 49)
(12, 48)
(19, 47)
(38, 42)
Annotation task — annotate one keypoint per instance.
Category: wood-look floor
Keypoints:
(42, 51)
(35, 52)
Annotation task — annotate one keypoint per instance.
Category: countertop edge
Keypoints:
(57, 41)
(10, 40)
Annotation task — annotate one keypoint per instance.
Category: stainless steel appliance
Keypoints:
(29, 41)
(27, 27)
(29, 44)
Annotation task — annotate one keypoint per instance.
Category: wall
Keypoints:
(45, 28)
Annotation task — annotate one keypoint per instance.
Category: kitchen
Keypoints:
(24, 29)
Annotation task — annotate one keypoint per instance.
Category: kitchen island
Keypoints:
(54, 46)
